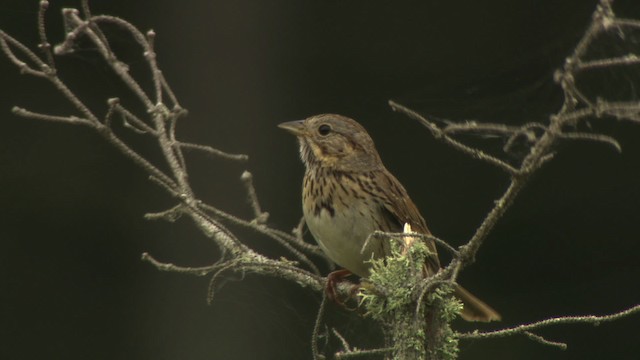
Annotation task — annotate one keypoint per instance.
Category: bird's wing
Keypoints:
(398, 209)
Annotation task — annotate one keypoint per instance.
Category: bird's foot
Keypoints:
(331, 288)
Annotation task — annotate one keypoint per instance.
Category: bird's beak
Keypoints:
(295, 127)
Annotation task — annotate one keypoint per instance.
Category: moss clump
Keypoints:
(390, 296)
(394, 279)
(447, 308)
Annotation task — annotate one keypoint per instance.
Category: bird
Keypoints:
(348, 194)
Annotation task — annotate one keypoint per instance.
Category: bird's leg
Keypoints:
(331, 288)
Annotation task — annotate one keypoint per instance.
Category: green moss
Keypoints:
(393, 280)
(390, 296)
(448, 308)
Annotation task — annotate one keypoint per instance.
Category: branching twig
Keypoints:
(198, 271)
(260, 216)
(626, 60)
(576, 107)
(356, 353)
(522, 329)
(212, 151)
(543, 341)
(282, 240)
(606, 139)
(160, 125)
(440, 134)
(42, 33)
(540, 150)
(348, 352)
(316, 330)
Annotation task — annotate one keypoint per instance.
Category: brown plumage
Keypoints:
(348, 194)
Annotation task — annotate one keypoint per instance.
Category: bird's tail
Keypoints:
(474, 308)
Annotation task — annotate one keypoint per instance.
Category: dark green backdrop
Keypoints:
(72, 285)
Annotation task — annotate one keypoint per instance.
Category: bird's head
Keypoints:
(336, 141)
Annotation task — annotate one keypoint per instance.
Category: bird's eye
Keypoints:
(324, 129)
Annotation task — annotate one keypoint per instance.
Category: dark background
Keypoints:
(72, 284)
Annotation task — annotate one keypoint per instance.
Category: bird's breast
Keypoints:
(341, 219)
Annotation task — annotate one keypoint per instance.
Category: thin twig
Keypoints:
(358, 353)
(629, 59)
(345, 345)
(44, 45)
(297, 242)
(262, 229)
(198, 271)
(73, 120)
(6, 41)
(129, 120)
(543, 341)
(83, 27)
(316, 329)
(606, 139)
(626, 22)
(170, 215)
(481, 128)
(86, 10)
(228, 265)
(172, 117)
(439, 134)
(167, 88)
(212, 151)
(260, 216)
(150, 55)
(587, 319)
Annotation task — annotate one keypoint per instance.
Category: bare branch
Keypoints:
(543, 341)
(109, 115)
(198, 271)
(42, 33)
(122, 70)
(150, 54)
(283, 241)
(315, 335)
(228, 265)
(526, 130)
(299, 243)
(621, 110)
(629, 59)
(439, 134)
(298, 240)
(86, 10)
(167, 88)
(73, 120)
(480, 128)
(6, 42)
(247, 180)
(298, 231)
(593, 137)
(632, 23)
(283, 270)
(343, 341)
(469, 250)
(129, 120)
(169, 215)
(521, 329)
(45, 72)
(213, 152)
(358, 353)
